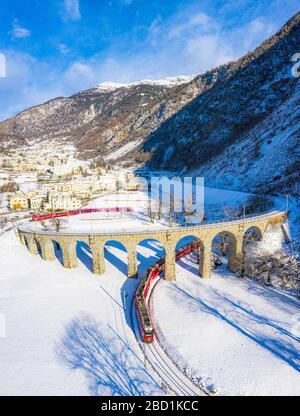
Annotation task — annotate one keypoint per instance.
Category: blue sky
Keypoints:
(58, 47)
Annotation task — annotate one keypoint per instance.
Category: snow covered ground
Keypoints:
(67, 332)
(233, 335)
(64, 332)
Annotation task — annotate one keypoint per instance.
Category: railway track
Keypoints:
(174, 381)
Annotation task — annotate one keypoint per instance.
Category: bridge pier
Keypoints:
(235, 256)
(98, 258)
(205, 260)
(132, 262)
(21, 238)
(69, 255)
(170, 271)
(32, 245)
(48, 252)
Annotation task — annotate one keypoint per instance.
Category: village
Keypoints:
(34, 180)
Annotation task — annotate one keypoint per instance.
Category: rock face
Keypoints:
(240, 121)
(98, 120)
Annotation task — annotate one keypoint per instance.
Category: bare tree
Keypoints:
(58, 224)
(159, 211)
(151, 214)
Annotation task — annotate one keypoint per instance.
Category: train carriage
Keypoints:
(42, 217)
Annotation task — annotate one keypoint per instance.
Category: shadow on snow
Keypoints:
(111, 367)
(248, 323)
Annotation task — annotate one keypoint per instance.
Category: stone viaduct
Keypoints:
(43, 242)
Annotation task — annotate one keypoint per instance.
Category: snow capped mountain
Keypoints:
(167, 82)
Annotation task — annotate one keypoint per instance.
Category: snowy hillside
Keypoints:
(246, 127)
(265, 158)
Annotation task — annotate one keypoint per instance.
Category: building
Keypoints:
(133, 184)
(107, 182)
(36, 202)
(18, 202)
(62, 201)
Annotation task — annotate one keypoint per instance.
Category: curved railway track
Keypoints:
(174, 381)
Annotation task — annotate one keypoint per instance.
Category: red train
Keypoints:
(144, 290)
(79, 211)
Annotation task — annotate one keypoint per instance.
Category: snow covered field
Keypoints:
(231, 334)
(64, 332)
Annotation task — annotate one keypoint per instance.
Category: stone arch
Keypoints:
(149, 251)
(47, 249)
(186, 239)
(225, 245)
(117, 254)
(254, 233)
(251, 236)
(65, 251)
(58, 254)
(196, 258)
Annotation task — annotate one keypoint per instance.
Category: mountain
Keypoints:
(248, 121)
(238, 123)
(98, 120)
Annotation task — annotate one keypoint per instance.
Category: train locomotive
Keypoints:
(145, 288)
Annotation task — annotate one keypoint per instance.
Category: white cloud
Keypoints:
(28, 82)
(258, 30)
(209, 51)
(72, 9)
(198, 20)
(19, 31)
(78, 76)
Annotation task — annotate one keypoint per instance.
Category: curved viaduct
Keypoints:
(43, 241)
